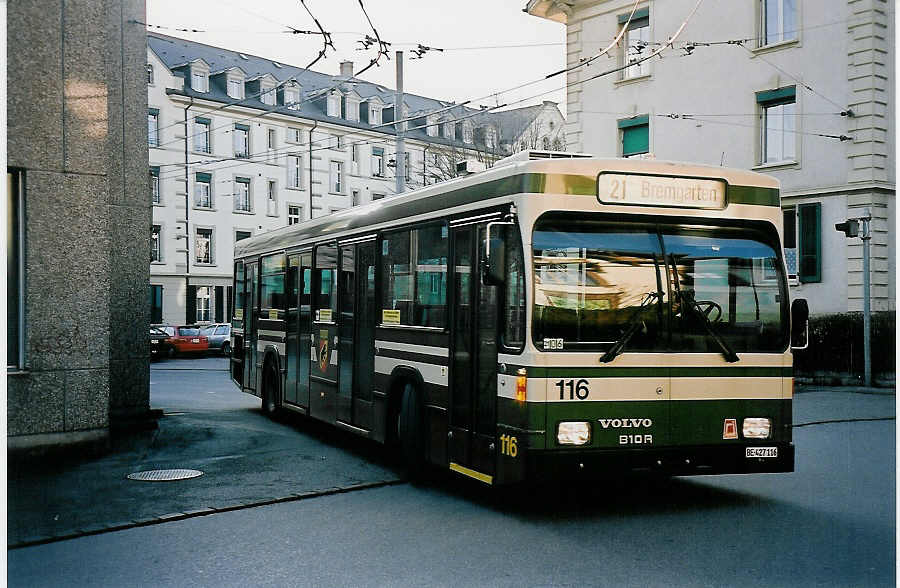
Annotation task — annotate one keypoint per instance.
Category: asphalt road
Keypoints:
(830, 523)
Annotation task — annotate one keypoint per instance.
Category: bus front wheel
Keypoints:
(411, 429)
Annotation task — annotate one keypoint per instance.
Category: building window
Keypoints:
(778, 21)
(203, 190)
(354, 198)
(635, 42)
(203, 304)
(153, 127)
(354, 153)
(270, 139)
(778, 114)
(155, 304)
(201, 135)
(155, 251)
(203, 246)
(241, 235)
(149, 74)
(292, 98)
(235, 88)
(15, 269)
(378, 162)
(271, 198)
(294, 166)
(635, 133)
(449, 130)
(334, 104)
(336, 177)
(295, 213)
(809, 247)
(468, 135)
(242, 195)
(199, 82)
(353, 110)
(376, 196)
(374, 115)
(241, 140)
(267, 96)
(154, 184)
(337, 141)
(293, 136)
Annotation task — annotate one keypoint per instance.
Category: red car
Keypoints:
(185, 339)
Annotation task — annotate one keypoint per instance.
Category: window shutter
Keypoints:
(241, 127)
(638, 14)
(810, 246)
(191, 305)
(781, 95)
(228, 302)
(220, 294)
(203, 121)
(204, 177)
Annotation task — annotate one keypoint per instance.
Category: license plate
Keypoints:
(155, 342)
(761, 452)
(195, 340)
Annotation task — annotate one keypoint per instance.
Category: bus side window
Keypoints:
(513, 334)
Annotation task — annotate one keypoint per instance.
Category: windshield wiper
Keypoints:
(634, 323)
(688, 302)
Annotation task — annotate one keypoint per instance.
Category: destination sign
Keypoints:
(660, 191)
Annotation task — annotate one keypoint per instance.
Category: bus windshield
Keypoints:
(657, 287)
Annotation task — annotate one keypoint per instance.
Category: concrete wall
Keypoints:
(76, 127)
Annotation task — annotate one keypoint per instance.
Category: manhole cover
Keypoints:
(164, 475)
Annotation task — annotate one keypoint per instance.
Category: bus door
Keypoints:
(473, 367)
(304, 334)
(346, 332)
(292, 327)
(251, 321)
(323, 361)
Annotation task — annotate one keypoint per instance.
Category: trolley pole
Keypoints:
(400, 156)
(867, 312)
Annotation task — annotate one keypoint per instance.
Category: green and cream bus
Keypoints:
(553, 316)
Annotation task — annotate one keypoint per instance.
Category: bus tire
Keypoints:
(411, 429)
(226, 349)
(270, 390)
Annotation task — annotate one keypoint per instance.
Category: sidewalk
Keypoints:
(248, 460)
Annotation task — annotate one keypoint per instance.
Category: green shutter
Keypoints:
(241, 127)
(154, 111)
(635, 139)
(191, 305)
(377, 151)
(242, 180)
(788, 94)
(634, 121)
(203, 121)
(810, 246)
(204, 177)
(639, 13)
(154, 170)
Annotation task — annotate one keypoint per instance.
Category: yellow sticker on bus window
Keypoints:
(273, 315)
(390, 317)
(238, 313)
(324, 315)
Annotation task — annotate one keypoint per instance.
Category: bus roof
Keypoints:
(558, 176)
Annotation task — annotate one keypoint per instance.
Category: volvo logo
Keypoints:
(625, 423)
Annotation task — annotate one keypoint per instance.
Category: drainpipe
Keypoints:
(315, 124)
(424, 165)
(187, 208)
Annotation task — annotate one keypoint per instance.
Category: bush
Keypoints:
(835, 352)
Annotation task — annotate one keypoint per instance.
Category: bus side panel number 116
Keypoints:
(573, 389)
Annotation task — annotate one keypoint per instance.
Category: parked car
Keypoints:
(159, 343)
(185, 339)
(219, 336)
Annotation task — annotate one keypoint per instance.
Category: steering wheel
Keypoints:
(707, 307)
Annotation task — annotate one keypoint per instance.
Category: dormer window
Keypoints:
(467, 133)
(489, 138)
(199, 81)
(291, 96)
(432, 126)
(352, 109)
(334, 104)
(235, 88)
(449, 130)
(267, 96)
(374, 114)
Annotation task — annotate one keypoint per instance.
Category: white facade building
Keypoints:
(796, 89)
(241, 144)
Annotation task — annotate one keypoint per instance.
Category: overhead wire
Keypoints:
(382, 46)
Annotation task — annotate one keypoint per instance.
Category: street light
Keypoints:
(851, 228)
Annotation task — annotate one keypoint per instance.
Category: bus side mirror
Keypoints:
(799, 324)
(493, 268)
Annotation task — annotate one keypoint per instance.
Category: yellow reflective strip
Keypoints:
(472, 473)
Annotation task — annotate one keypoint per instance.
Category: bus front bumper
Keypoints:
(671, 461)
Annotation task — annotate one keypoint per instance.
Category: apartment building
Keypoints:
(796, 89)
(241, 144)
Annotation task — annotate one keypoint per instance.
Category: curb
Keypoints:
(100, 529)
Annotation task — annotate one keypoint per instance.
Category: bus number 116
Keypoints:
(577, 389)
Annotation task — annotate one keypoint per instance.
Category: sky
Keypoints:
(477, 62)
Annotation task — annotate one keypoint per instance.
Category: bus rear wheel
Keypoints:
(411, 429)
(270, 390)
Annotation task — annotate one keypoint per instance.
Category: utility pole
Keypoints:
(867, 313)
(400, 156)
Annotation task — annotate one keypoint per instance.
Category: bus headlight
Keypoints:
(573, 433)
(757, 428)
